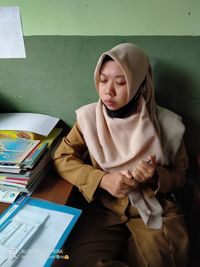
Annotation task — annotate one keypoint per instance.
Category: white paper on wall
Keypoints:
(11, 36)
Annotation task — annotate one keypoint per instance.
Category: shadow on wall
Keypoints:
(6, 105)
(175, 91)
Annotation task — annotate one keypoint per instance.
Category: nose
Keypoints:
(109, 90)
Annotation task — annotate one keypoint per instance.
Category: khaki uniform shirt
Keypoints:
(69, 161)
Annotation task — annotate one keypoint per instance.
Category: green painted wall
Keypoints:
(108, 17)
(64, 38)
(57, 76)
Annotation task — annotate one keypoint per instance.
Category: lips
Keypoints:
(109, 103)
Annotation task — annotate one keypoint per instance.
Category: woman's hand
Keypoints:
(118, 184)
(145, 170)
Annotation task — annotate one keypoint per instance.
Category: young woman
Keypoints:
(137, 160)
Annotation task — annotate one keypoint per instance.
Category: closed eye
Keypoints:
(121, 83)
(103, 78)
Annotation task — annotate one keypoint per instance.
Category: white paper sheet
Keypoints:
(43, 242)
(11, 37)
(55, 222)
(17, 233)
(32, 122)
(40, 249)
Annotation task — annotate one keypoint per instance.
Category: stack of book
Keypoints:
(25, 155)
(23, 163)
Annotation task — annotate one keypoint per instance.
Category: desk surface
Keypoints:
(52, 188)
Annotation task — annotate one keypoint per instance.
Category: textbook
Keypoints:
(27, 180)
(4, 134)
(49, 139)
(15, 151)
(20, 172)
(28, 163)
(33, 157)
(25, 228)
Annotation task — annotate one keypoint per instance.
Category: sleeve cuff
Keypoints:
(88, 182)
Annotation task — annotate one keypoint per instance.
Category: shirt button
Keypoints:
(123, 202)
(123, 218)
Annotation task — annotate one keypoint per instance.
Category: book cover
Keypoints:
(4, 134)
(50, 138)
(15, 151)
(26, 165)
(33, 157)
(53, 135)
(8, 196)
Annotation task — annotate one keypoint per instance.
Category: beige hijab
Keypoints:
(118, 144)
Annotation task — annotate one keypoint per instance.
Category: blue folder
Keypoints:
(46, 206)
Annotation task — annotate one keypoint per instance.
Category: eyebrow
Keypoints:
(118, 76)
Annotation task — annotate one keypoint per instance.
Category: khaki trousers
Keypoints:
(100, 239)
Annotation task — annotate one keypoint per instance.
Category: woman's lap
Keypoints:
(99, 239)
(94, 242)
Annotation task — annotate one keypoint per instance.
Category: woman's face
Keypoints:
(112, 86)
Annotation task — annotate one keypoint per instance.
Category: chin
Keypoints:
(111, 107)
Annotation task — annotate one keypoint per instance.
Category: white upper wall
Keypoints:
(108, 17)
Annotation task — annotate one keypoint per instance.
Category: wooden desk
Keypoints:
(52, 188)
